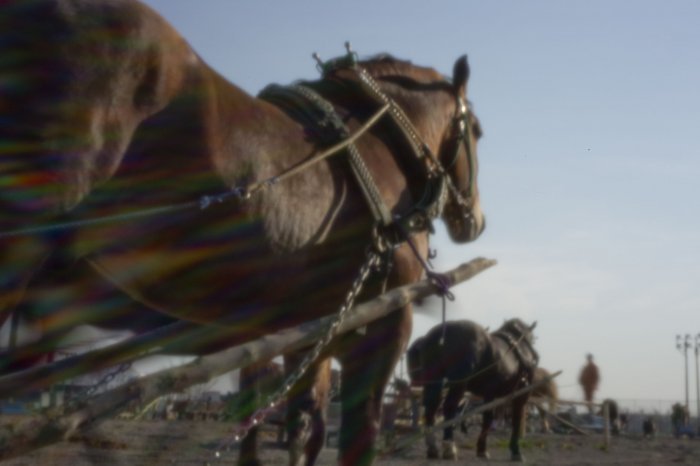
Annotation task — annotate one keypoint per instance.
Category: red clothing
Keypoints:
(589, 379)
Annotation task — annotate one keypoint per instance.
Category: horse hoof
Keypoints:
(249, 462)
(449, 451)
(433, 453)
(484, 455)
(517, 457)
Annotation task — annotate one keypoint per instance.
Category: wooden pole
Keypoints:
(559, 418)
(606, 424)
(181, 334)
(36, 433)
(579, 403)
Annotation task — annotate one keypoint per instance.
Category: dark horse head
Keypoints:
(518, 330)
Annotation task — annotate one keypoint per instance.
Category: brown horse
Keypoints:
(465, 357)
(547, 391)
(124, 153)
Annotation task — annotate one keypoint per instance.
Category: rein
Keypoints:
(204, 202)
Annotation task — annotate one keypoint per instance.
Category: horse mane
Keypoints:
(514, 327)
(384, 65)
(518, 334)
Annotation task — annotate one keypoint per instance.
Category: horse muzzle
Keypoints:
(466, 228)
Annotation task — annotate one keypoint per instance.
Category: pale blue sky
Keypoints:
(589, 163)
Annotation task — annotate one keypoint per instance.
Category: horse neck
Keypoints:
(250, 138)
(425, 112)
(518, 347)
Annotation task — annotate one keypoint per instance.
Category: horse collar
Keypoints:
(530, 362)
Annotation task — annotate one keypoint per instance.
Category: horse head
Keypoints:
(462, 213)
(431, 112)
(519, 330)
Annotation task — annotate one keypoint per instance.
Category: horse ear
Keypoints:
(532, 327)
(460, 73)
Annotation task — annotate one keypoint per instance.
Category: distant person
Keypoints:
(624, 420)
(649, 427)
(680, 420)
(589, 380)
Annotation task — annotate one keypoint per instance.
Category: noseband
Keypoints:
(462, 137)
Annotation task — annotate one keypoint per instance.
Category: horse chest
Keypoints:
(222, 268)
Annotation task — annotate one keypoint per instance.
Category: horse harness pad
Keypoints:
(528, 359)
(325, 124)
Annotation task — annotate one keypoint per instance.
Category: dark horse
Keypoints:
(131, 167)
(465, 357)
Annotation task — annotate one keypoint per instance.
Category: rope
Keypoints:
(440, 281)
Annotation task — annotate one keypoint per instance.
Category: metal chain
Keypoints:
(81, 397)
(372, 261)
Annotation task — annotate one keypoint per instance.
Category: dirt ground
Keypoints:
(155, 443)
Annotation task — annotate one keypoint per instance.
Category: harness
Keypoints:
(460, 121)
(313, 110)
(528, 362)
(323, 121)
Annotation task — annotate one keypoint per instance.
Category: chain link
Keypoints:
(82, 396)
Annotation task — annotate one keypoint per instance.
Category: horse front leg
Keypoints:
(368, 361)
(518, 409)
(450, 409)
(486, 421)
(248, 450)
(432, 393)
(544, 420)
(20, 258)
(249, 386)
(306, 408)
